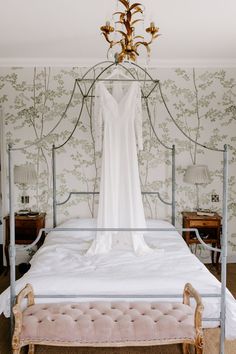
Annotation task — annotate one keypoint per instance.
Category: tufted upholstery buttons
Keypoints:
(104, 322)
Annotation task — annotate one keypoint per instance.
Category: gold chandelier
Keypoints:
(129, 41)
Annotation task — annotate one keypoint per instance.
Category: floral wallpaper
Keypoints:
(202, 103)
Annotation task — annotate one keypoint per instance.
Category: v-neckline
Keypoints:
(123, 96)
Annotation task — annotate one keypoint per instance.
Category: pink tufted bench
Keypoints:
(103, 323)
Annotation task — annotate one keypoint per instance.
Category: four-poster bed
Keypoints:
(215, 292)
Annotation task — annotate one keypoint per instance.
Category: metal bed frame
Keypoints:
(89, 94)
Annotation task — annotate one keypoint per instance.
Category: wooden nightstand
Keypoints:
(209, 228)
(26, 230)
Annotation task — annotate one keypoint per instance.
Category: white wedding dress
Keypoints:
(120, 201)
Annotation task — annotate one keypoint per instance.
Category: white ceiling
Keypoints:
(61, 32)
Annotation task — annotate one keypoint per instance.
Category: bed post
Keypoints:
(12, 250)
(54, 205)
(173, 185)
(224, 250)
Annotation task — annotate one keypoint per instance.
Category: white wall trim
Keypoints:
(231, 258)
(86, 62)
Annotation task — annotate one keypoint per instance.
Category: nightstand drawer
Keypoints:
(25, 234)
(203, 223)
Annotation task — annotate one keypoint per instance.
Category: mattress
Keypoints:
(61, 267)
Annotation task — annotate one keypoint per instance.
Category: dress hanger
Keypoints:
(117, 73)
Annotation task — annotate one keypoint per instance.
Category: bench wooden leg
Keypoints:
(199, 350)
(16, 351)
(31, 349)
(16, 348)
(186, 348)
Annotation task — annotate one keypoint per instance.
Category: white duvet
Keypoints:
(60, 267)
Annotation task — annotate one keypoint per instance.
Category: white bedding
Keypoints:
(60, 267)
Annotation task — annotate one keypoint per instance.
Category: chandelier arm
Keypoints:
(153, 36)
(106, 37)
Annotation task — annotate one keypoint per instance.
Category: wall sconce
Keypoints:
(25, 175)
(197, 174)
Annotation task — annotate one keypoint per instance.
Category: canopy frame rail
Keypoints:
(97, 193)
(46, 230)
(56, 204)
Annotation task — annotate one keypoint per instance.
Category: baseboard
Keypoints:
(231, 258)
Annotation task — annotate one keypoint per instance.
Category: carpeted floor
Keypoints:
(211, 336)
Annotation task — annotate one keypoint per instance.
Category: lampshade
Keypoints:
(25, 174)
(197, 174)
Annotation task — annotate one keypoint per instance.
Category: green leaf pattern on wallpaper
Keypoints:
(202, 102)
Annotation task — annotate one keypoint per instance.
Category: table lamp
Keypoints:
(25, 175)
(197, 174)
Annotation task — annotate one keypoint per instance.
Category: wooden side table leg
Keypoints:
(6, 252)
(219, 247)
(217, 259)
(213, 255)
